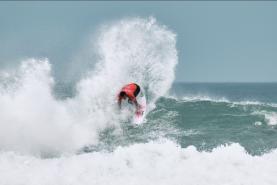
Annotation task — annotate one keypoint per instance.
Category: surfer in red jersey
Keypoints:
(129, 91)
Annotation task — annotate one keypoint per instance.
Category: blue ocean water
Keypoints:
(223, 113)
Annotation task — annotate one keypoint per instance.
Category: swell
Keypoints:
(208, 123)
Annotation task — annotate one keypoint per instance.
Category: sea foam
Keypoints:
(157, 162)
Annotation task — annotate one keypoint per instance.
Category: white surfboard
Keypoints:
(139, 115)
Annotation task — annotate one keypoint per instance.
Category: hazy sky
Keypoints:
(216, 41)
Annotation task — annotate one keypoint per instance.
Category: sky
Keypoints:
(227, 41)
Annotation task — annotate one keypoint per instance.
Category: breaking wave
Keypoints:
(33, 121)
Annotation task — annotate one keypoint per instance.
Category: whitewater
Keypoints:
(82, 139)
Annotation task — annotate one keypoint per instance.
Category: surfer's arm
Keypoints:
(136, 104)
(119, 102)
(133, 100)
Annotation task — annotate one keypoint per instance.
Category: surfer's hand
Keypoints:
(139, 112)
(139, 107)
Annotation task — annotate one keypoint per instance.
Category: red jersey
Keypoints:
(130, 90)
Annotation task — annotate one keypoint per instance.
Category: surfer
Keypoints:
(129, 91)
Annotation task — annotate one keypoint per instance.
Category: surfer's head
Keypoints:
(122, 94)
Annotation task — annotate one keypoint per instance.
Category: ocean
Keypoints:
(71, 133)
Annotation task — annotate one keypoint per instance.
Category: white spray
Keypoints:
(33, 121)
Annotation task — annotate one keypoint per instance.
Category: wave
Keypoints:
(221, 100)
(268, 110)
(130, 50)
(156, 162)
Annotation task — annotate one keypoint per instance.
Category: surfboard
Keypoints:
(139, 115)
